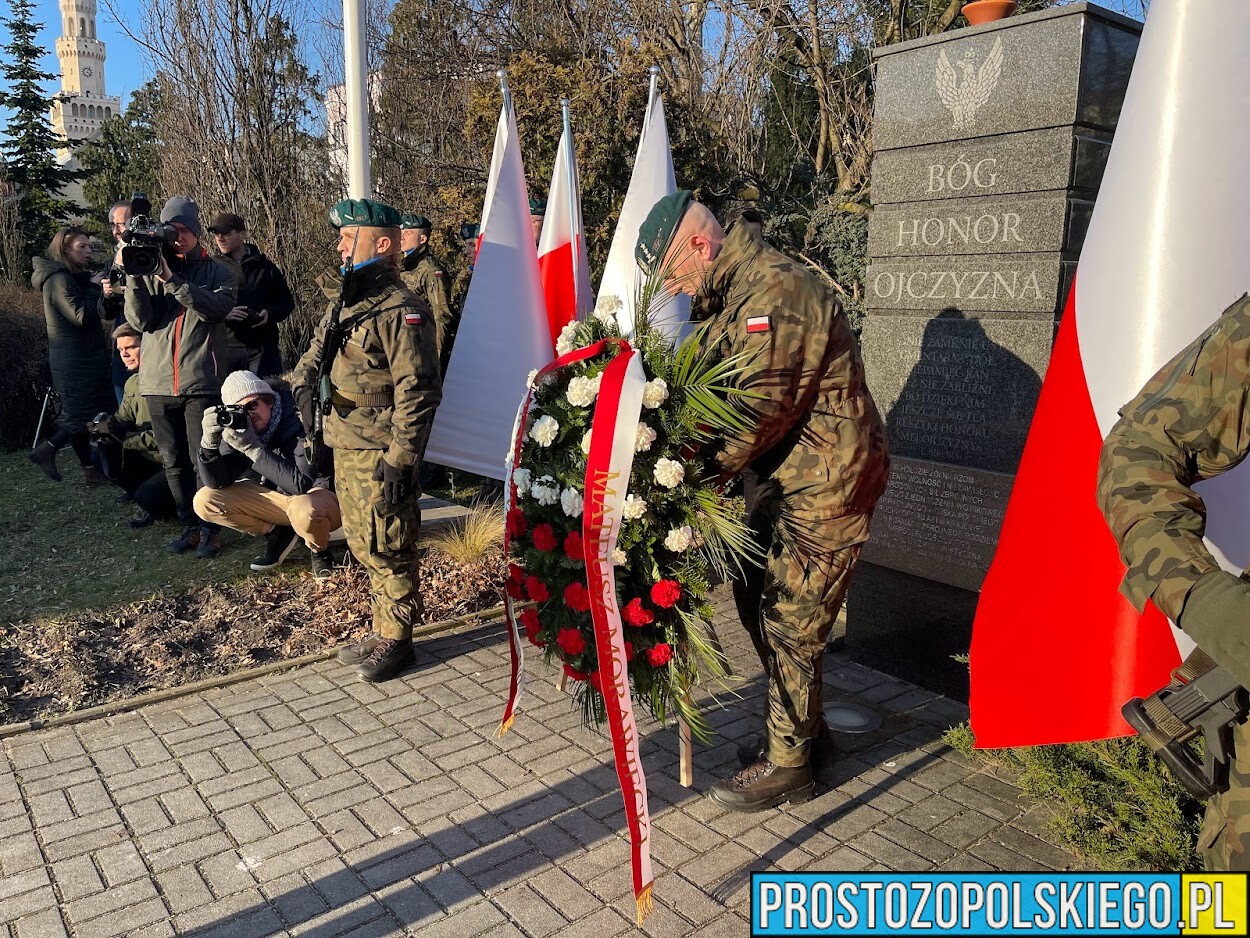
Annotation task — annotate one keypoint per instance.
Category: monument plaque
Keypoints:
(991, 142)
(939, 521)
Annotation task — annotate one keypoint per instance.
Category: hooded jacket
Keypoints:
(183, 325)
(78, 352)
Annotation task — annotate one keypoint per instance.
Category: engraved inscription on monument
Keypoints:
(1011, 283)
(938, 521)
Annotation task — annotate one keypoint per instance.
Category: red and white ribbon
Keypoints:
(607, 482)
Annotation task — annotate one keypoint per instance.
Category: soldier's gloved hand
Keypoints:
(211, 436)
(396, 481)
(244, 441)
(1214, 616)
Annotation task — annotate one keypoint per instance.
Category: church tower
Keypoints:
(82, 106)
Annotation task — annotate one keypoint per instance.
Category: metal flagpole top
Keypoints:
(651, 92)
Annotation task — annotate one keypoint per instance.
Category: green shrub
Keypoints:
(1113, 800)
(24, 374)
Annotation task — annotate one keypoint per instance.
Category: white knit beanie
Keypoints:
(243, 384)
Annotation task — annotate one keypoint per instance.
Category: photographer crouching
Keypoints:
(258, 429)
(125, 448)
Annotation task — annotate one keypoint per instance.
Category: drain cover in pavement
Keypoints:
(851, 718)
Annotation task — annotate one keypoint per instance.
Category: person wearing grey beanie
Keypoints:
(181, 311)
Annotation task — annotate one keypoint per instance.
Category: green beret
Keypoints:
(538, 206)
(468, 231)
(365, 213)
(415, 222)
(657, 229)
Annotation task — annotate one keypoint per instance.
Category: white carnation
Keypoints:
(654, 393)
(529, 380)
(679, 539)
(634, 507)
(582, 391)
(545, 430)
(521, 479)
(618, 557)
(643, 438)
(607, 317)
(545, 491)
(571, 502)
(568, 334)
(669, 472)
(586, 442)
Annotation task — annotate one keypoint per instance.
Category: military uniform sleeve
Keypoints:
(1190, 422)
(409, 348)
(436, 290)
(304, 374)
(775, 369)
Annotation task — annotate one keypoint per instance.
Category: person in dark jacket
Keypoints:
(181, 311)
(292, 499)
(77, 350)
(264, 300)
(126, 450)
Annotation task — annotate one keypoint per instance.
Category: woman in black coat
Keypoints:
(78, 351)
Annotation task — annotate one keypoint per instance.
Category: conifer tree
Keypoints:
(28, 142)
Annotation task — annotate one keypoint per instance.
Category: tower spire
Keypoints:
(83, 104)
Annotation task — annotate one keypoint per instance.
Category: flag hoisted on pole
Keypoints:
(562, 262)
(504, 333)
(652, 179)
(1056, 649)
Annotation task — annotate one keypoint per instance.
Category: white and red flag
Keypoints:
(652, 179)
(562, 261)
(503, 333)
(1056, 650)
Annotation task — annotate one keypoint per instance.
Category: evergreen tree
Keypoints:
(28, 140)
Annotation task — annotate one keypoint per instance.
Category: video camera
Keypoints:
(145, 239)
(232, 416)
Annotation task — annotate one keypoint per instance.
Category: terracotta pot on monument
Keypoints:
(987, 11)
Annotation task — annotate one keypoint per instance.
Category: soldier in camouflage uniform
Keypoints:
(385, 388)
(425, 276)
(460, 287)
(817, 447)
(1189, 423)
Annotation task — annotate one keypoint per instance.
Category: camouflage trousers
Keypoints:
(1224, 842)
(383, 538)
(788, 605)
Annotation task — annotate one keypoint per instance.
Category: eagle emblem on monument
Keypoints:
(964, 94)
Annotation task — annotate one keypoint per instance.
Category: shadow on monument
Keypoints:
(967, 402)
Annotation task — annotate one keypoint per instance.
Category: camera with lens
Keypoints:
(233, 417)
(145, 239)
(101, 427)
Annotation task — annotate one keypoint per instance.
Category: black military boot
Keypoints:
(389, 657)
(44, 456)
(278, 546)
(823, 754)
(360, 651)
(764, 785)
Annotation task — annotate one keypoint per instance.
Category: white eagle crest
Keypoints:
(965, 96)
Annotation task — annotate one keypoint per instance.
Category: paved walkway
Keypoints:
(307, 803)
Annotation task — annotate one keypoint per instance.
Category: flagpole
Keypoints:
(356, 97)
(502, 75)
(655, 86)
(574, 195)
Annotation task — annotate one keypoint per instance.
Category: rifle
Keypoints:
(323, 390)
(1201, 698)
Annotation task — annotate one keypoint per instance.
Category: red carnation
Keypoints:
(536, 589)
(571, 642)
(574, 549)
(515, 590)
(638, 614)
(574, 673)
(596, 682)
(515, 573)
(666, 594)
(576, 597)
(515, 523)
(544, 537)
(529, 619)
(629, 651)
(660, 654)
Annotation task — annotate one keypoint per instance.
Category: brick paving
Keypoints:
(309, 804)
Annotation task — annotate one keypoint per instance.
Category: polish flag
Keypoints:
(1056, 650)
(562, 261)
(622, 279)
(503, 334)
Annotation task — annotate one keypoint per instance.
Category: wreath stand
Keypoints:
(685, 754)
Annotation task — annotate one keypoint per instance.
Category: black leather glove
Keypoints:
(396, 481)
